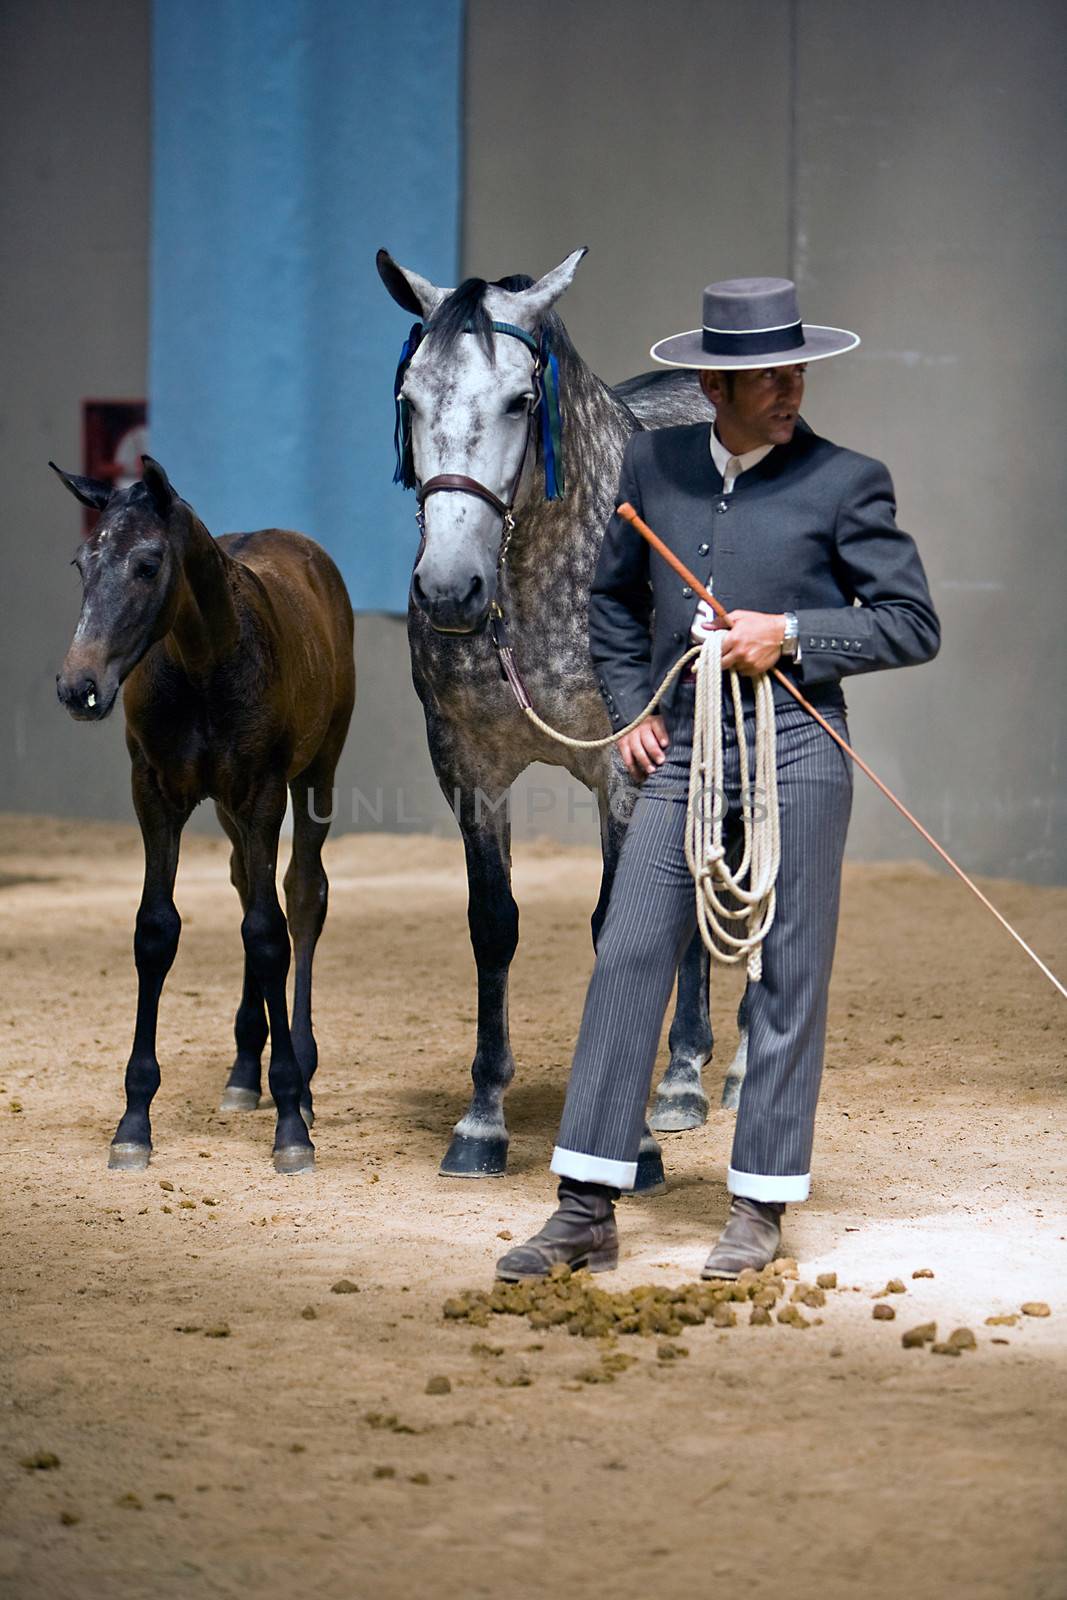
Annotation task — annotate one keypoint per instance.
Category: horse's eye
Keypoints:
(521, 403)
(146, 569)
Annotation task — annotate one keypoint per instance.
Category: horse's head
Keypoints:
(470, 393)
(129, 572)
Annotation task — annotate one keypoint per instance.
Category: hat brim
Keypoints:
(687, 350)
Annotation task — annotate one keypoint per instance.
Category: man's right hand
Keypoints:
(642, 749)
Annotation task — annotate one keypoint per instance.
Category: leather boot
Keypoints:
(581, 1232)
(751, 1238)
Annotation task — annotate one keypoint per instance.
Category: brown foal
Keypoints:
(236, 656)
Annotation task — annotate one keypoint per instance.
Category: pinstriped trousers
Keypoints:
(650, 919)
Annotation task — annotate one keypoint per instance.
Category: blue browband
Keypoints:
(546, 369)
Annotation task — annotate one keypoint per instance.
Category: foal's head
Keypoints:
(471, 396)
(129, 574)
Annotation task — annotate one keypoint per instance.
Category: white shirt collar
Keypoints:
(722, 458)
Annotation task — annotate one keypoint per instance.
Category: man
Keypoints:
(797, 539)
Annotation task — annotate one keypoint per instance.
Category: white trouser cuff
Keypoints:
(757, 1186)
(593, 1169)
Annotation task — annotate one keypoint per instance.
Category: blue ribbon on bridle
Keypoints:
(405, 461)
(546, 367)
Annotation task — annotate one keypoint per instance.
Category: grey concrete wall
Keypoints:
(931, 190)
(905, 163)
(73, 325)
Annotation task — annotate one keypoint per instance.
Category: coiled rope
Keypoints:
(731, 933)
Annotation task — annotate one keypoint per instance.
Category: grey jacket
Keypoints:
(810, 529)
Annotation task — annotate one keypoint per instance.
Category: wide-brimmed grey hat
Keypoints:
(752, 322)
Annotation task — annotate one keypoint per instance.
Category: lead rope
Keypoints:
(753, 913)
(732, 933)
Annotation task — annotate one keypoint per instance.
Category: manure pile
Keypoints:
(574, 1301)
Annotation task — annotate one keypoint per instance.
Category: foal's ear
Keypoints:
(158, 485)
(542, 296)
(413, 293)
(92, 492)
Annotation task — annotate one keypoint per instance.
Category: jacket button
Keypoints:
(833, 644)
(686, 591)
(822, 644)
(703, 549)
(723, 505)
(678, 638)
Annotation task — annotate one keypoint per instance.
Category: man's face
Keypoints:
(760, 408)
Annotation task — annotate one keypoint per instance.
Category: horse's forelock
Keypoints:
(463, 312)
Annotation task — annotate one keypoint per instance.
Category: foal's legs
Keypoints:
(244, 1085)
(306, 898)
(266, 941)
(154, 946)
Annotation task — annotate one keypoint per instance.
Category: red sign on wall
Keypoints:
(114, 438)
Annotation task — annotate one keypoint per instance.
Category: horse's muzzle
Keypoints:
(83, 697)
(449, 613)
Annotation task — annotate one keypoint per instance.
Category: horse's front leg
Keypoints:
(680, 1099)
(479, 1147)
(154, 946)
(266, 942)
(735, 1072)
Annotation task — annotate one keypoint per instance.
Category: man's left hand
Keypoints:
(754, 641)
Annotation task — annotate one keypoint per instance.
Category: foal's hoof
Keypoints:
(128, 1157)
(234, 1099)
(676, 1111)
(650, 1177)
(475, 1158)
(295, 1158)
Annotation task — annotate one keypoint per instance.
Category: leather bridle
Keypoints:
(459, 483)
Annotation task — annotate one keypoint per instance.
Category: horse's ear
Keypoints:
(546, 291)
(92, 492)
(415, 294)
(158, 485)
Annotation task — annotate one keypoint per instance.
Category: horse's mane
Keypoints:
(464, 312)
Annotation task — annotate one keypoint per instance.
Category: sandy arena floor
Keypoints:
(301, 1454)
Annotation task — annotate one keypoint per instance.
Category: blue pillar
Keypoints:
(290, 140)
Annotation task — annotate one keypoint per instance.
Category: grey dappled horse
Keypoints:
(469, 395)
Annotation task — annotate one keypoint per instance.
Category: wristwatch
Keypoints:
(791, 637)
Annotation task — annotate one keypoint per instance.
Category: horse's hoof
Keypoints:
(128, 1157)
(475, 1158)
(731, 1093)
(234, 1099)
(650, 1177)
(294, 1158)
(674, 1113)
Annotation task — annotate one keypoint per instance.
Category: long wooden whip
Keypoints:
(626, 510)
